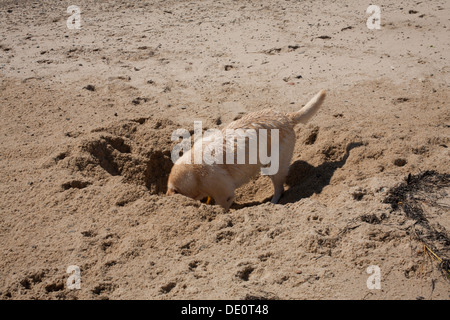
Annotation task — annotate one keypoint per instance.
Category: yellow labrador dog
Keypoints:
(219, 179)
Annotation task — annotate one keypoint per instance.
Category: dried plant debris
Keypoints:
(424, 198)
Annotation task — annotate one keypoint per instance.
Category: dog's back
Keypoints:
(270, 119)
(267, 119)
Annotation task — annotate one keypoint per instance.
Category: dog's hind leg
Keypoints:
(279, 178)
(278, 181)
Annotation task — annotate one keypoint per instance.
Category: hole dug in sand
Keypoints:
(136, 150)
(303, 179)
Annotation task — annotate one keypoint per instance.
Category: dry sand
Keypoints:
(85, 128)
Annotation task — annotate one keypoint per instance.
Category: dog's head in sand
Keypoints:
(219, 180)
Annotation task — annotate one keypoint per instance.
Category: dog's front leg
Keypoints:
(225, 201)
(223, 195)
(220, 186)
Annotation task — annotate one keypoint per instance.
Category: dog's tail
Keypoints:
(309, 110)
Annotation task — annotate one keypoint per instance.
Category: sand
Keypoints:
(85, 131)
